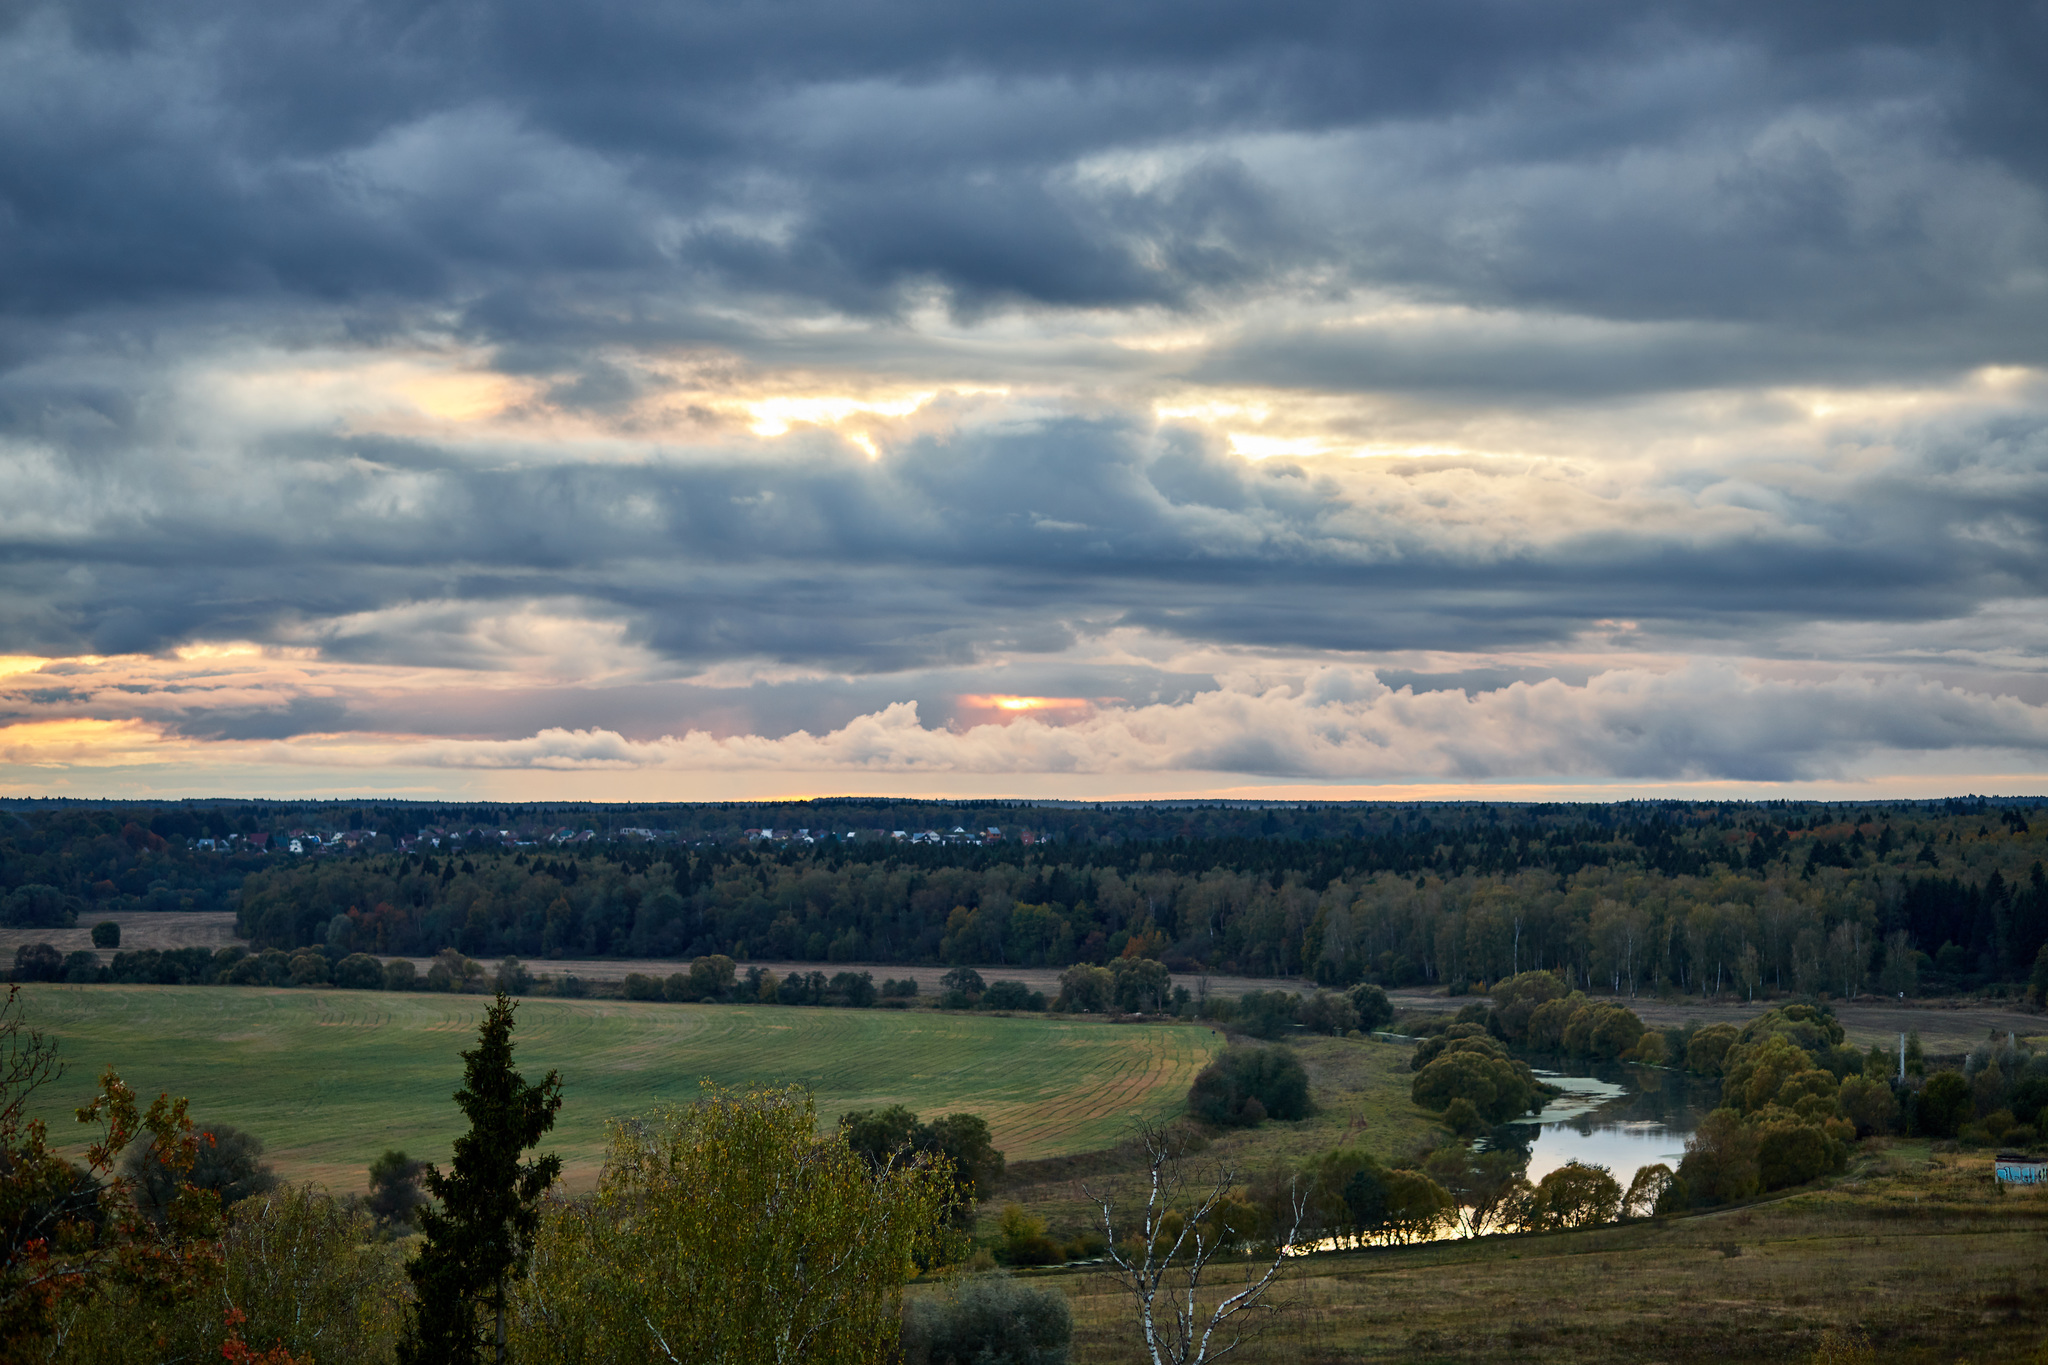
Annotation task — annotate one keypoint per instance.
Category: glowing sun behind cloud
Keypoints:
(1002, 708)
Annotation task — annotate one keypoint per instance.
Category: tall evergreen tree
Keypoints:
(479, 1238)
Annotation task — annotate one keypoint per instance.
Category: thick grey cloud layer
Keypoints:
(1468, 212)
(1008, 538)
(1838, 168)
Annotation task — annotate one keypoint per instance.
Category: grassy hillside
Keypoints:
(1913, 1257)
(1361, 1091)
(330, 1078)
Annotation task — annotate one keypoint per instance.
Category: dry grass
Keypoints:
(1924, 1261)
(139, 929)
(1359, 1086)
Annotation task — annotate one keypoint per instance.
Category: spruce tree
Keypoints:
(478, 1240)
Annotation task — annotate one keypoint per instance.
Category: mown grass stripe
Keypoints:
(331, 1078)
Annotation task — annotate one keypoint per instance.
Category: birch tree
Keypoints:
(1162, 1249)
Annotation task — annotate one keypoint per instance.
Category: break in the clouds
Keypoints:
(461, 396)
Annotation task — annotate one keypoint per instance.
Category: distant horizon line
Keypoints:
(1013, 803)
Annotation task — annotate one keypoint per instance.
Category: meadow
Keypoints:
(328, 1079)
(1361, 1092)
(1913, 1256)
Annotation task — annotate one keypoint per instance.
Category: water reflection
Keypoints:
(1614, 1115)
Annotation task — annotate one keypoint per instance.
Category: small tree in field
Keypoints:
(480, 1237)
(1162, 1251)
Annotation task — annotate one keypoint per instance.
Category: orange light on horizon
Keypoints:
(1015, 705)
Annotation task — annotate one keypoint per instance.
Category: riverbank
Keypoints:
(1913, 1252)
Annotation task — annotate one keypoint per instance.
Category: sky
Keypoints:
(633, 400)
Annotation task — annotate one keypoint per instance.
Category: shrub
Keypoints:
(1085, 990)
(1498, 1088)
(712, 977)
(1415, 1208)
(1140, 985)
(1267, 1014)
(1652, 1049)
(1327, 1012)
(1575, 1195)
(988, 1320)
(359, 972)
(1789, 1152)
(892, 989)
(267, 968)
(395, 1192)
(1247, 1085)
(856, 990)
(1024, 1239)
(1462, 1118)
(1945, 1102)
(1869, 1104)
(1708, 1049)
(1603, 1031)
(1429, 1049)
(1375, 1011)
(37, 962)
(1720, 1163)
(170, 967)
(1548, 1021)
(229, 1166)
(82, 968)
(1516, 998)
(309, 967)
(36, 906)
(640, 986)
(1011, 995)
(106, 934)
(400, 975)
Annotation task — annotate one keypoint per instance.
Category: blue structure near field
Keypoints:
(2015, 1169)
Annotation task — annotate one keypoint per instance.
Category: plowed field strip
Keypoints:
(331, 1078)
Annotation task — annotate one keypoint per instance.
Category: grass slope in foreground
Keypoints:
(328, 1079)
(1912, 1257)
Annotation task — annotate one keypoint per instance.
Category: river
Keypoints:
(1611, 1114)
(1614, 1115)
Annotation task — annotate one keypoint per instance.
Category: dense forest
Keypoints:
(1632, 897)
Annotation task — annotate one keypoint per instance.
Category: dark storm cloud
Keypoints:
(1672, 162)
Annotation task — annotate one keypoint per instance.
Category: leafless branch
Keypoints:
(1165, 1280)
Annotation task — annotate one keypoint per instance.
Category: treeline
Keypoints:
(1707, 898)
(1895, 900)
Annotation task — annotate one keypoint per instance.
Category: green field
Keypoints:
(328, 1079)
